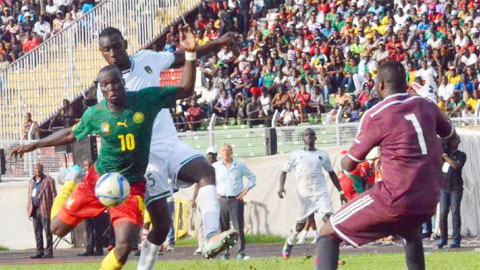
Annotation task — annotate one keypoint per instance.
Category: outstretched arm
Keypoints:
(58, 138)
(281, 191)
(211, 47)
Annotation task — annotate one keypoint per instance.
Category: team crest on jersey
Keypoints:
(321, 158)
(105, 128)
(148, 69)
(138, 117)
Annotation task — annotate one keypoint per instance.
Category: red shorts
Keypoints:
(84, 204)
(366, 219)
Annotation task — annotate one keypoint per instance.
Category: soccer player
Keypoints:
(311, 189)
(124, 121)
(406, 128)
(169, 157)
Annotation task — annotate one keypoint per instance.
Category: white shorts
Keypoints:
(306, 206)
(165, 162)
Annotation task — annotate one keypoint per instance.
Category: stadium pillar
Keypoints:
(270, 141)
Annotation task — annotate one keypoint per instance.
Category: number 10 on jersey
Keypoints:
(127, 142)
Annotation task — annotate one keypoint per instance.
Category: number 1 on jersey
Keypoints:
(418, 129)
(127, 142)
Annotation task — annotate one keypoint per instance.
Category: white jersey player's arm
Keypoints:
(211, 47)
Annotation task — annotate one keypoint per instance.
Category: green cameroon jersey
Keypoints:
(125, 135)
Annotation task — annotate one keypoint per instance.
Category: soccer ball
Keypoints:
(112, 189)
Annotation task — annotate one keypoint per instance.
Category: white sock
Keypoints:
(292, 239)
(210, 209)
(148, 255)
(303, 235)
(315, 234)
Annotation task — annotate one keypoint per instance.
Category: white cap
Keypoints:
(212, 150)
(28, 14)
(25, 8)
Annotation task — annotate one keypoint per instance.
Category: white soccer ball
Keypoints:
(112, 189)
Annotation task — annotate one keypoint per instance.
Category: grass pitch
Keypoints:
(439, 260)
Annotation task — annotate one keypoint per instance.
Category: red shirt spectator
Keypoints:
(30, 43)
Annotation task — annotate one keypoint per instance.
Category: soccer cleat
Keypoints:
(286, 250)
(219, 242)
(441, 243)
(171, 248)
(242, 257)
(160, 251)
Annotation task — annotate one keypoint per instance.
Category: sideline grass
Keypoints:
(2, 248)
(249, 239)
(437, 261)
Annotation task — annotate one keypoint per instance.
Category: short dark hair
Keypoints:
(110, 31)
(109, 68)
(394, 75)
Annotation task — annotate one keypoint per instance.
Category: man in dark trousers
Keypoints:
(229, 175)
(451, 193)
(41, 192)
(93, 228)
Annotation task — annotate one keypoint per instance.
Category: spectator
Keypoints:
(229, 178)
(194, 115)
(28, 124)
(287, 116)
(316, 104)
(240, 108)
(280, 100)
(455, 105)
(451, 193)
(302, 99)
(224, 106)
(51, 10)
(58, 23)
(42, 28)
(266, 101)
(30, 42)
(68, 20)
(208, 97)
(41, 192)
(254, 112)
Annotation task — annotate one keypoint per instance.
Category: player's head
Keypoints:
(391, 79)
(112, 85)
(309, 137)
(113, 46)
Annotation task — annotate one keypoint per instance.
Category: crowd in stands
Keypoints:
(24, 24)
(306, 57)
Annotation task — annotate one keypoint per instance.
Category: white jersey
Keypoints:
(145, 70)
(308, 169)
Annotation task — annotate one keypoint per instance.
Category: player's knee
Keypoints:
(300, 225)
(122, 249)
(57, 228)
(327, 229)
(159, 232)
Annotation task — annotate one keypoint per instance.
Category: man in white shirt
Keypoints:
(311, 190)
(229, 175)
(446, 89)
(169, 156)
(42, 28)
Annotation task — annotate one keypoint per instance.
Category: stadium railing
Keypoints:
(248, 142)
(66, 64)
